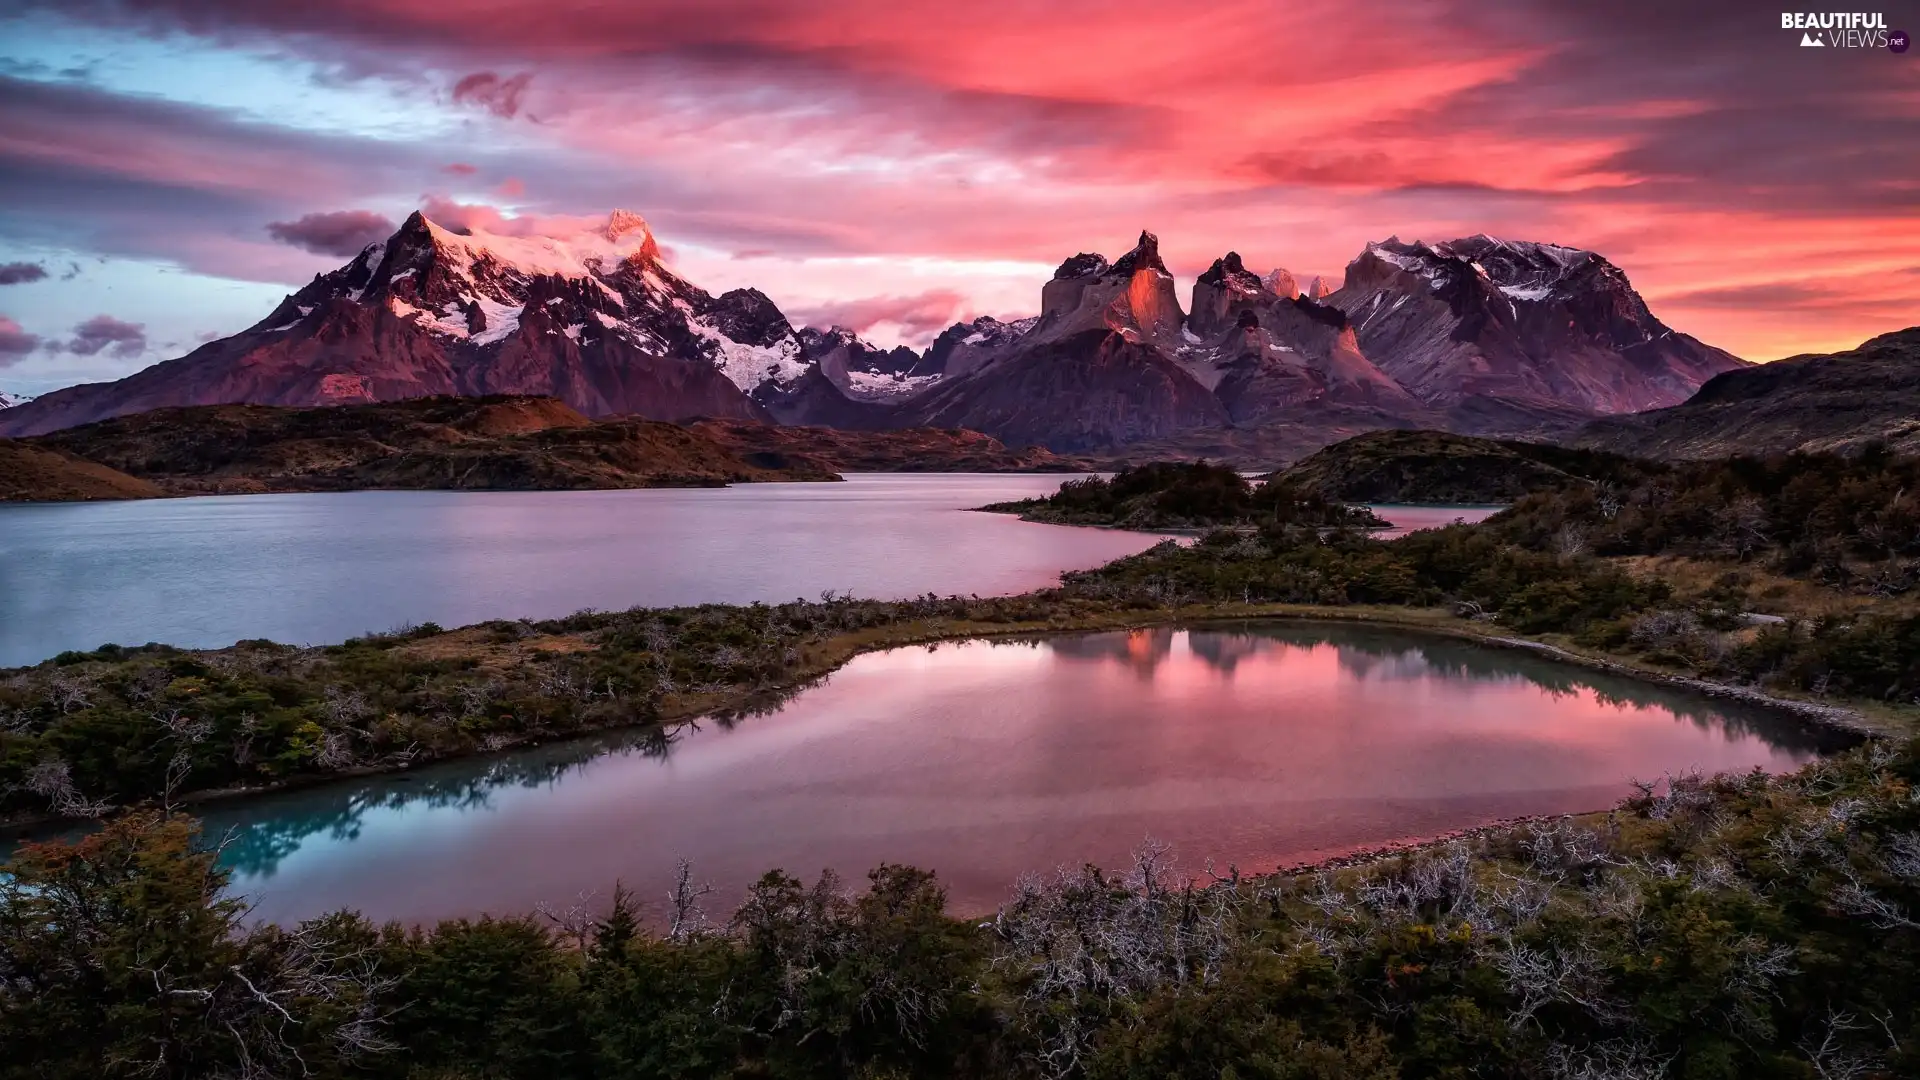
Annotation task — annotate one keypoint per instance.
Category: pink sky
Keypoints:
(900, 165)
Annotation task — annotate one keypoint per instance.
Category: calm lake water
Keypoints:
(1256, 744)
(304, 569)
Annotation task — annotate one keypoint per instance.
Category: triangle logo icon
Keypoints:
(1808, 41)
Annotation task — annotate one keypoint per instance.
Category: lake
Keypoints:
(1259, 744)
(313, 569)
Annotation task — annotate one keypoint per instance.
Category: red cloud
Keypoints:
(1007, 133)
(14, 342)
(499, 96)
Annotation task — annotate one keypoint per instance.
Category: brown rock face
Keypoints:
(1133, 296)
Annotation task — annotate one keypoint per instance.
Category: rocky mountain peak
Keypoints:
(1282, 284)
(1319, 288)
(1144, 256)
(1085, 264)
(1228, 272)
(623, 224)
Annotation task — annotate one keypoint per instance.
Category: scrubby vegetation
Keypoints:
(1183, 495)
(1439, 467)
(85, 732)
(1726, 927)
(1838, 518)
(1550, 565)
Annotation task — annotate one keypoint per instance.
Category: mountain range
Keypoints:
(1839, 402)
(1477, 335)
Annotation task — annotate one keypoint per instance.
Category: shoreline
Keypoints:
(836, 653)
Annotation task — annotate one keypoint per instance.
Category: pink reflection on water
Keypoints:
(985, 761)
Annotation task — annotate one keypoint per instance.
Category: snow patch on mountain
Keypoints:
(878, 384)
(586, 255)
(502, 320)
(747, 366)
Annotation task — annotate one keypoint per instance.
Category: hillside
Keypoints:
(1834, 401)
(33, 474)
(1436, 467)
(908, 450)
(495, 443)
(1181, 495)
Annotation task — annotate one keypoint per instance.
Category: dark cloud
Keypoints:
(337, 232)
(19, 273)
(123, 339)
(918, 317)
(85, 169)
(14, 342)
(499, 96)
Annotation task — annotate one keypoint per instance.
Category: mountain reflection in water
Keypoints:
(1256, 744)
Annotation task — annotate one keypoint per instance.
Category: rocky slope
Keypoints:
(1835, 401)
(1096, 388)
(443, 443)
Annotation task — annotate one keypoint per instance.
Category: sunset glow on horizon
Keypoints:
(179, 165)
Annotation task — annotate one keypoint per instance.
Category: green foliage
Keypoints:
(1187, 495)
(121, 956)
(120, 726)
(1733, 926)
(1439, 467)
(1810, 514)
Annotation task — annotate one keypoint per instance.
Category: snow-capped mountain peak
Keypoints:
(8, 401)
(1520, 269)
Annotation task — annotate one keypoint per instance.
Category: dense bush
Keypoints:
(1186, 495)
(1806, 513)
(87, 731)
(1746, 927)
